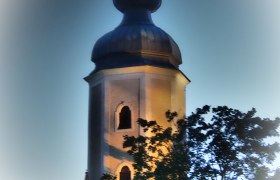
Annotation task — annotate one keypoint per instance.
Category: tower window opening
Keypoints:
(125, 118)
(125, 173)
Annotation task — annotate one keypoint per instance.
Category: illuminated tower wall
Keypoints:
(136, 76)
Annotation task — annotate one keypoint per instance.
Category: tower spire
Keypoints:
(136, 75)
(137, 11)
(125, 5)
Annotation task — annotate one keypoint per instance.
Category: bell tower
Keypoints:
(136, 75)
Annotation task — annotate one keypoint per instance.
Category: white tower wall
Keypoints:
(148, 92)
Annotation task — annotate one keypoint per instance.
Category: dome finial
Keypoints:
(123, 5)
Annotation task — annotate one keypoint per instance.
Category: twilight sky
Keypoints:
(230, 51)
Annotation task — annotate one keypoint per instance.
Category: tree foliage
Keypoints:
(108, 176)
(212, 143)
(231, 144)
(161, 154)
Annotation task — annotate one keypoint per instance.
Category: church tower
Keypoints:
(136, 75)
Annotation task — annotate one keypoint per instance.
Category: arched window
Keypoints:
(125, 173)
(125, 118)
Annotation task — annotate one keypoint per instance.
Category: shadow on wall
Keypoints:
(118, 153)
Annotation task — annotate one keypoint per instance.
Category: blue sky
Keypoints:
(230, 51)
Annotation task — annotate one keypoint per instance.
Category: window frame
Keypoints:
(121, 165)
(128, 173)
(117, 117)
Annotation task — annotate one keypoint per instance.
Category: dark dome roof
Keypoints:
(136, 41)
(123, 5)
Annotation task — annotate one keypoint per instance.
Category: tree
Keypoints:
(230, 144)
(108, 176)
(163, 154)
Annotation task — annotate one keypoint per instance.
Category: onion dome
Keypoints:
(136, 41)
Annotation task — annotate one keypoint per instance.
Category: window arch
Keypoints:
(125, 173)
(124, 118)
